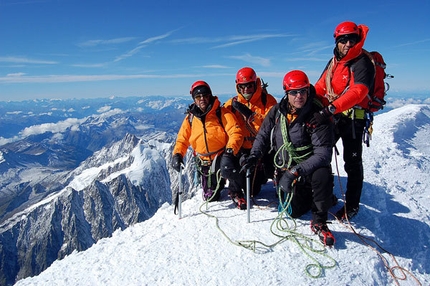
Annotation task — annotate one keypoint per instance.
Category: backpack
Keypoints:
(380, 87)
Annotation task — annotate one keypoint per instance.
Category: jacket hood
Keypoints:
(358, 48)
(255, 97)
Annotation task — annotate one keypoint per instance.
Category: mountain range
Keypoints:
(80, 172)
(73, 172)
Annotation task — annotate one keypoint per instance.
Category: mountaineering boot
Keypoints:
(241, 203)
(350, 213)
(323, 233)
(238, 200)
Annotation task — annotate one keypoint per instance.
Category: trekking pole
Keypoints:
(248, 192)
(180, 192)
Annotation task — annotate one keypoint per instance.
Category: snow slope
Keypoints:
(214, 244)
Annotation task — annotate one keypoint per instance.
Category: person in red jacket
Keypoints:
(343, 88)
(250, 105)
(215, 137)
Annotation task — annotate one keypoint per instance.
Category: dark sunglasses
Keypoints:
(199, 96)
(352, 39)
(246, 85)
(297, 91)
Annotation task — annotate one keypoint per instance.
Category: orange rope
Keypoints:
(390, 270)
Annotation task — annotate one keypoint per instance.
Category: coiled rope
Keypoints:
(293, 152)
(284, 227)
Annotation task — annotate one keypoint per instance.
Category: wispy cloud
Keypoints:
(93, 43)
(253, 59)
(99, 65)
(237, 40)
(216, 67)
(142, 45)
(315, 48)
(15, 74)
(85, 78)
(308, 59)
(229, 40)
(23, 60)
(413, 43)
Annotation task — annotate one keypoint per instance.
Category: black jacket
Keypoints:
(319, 139)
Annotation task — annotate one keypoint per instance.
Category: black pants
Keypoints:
(351, 133)
(260, 175)
(313, 192)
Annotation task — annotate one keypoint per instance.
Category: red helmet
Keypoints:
(245, 75)
(346, 28)
(295, 79)
(200, 86)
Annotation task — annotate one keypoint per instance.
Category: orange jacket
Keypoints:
(351, 78)
(260, 110)
(206, 136)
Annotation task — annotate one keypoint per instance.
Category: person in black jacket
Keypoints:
(303, 153)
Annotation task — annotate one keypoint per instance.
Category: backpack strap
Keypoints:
(217, 112)
(219, 115)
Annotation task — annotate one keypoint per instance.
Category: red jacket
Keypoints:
(351, 78)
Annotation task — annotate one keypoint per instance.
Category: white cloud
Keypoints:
(252, 59)
(93, 43)
(23, 60)
(52, 127)
(104, 109)
(86, 78)
(142, 45)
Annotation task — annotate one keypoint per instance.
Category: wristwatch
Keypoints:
(331, 108)
(294, 171)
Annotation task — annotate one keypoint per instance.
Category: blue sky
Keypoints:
(85, 49)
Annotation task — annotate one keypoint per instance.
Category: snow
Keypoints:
(213, 244)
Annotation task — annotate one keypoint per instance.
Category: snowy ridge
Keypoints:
(204, 249)
(111, 196)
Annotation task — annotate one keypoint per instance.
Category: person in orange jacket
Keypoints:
(214, 135)
(343, 88)
(251, 105)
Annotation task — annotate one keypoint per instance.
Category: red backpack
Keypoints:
(380, 87)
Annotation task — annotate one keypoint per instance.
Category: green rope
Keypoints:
(293, 152)
(282, 229)
(305, 243)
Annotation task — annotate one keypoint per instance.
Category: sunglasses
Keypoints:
(352, 39)
(295, 92)
(200, 96)
(246, 85)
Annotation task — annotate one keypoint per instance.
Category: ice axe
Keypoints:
(248, 193)
(178, 200)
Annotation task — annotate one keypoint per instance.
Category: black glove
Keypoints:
(177, 162)
(242, 109)
(248, 162)
(320, 117)
(228, 165)
(287, 179)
